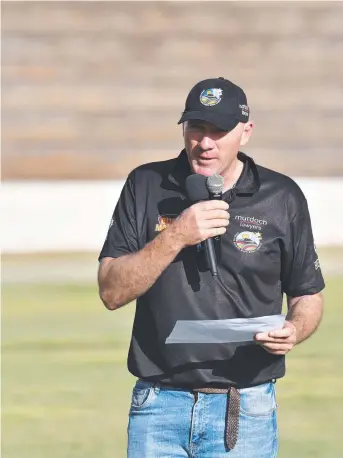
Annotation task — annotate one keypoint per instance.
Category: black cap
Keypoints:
(218, 101)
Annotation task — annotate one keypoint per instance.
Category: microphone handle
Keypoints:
(211, 256)
(216, 196)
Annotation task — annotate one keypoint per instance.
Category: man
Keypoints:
(210, 400)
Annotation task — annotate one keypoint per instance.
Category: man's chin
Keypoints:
(201, 170)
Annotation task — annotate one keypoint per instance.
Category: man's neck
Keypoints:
(232, 175)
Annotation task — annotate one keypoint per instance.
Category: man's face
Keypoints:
(212, 150)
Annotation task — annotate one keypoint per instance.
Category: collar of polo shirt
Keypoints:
(247, 184)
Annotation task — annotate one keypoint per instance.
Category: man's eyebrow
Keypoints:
(202, 125)
(196, 123)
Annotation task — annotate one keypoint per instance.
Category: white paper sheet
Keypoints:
(223, 331)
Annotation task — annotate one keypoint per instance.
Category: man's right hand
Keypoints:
(201, 221)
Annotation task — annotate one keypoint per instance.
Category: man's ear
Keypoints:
(248, 128)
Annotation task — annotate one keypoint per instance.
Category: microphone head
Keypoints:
(196, 188)
(215, 184)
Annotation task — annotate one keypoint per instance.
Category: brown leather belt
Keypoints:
(232, 412)
(232, 409)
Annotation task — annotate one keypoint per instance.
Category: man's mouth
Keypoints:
(206, 158)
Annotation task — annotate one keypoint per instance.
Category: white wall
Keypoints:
(74, 215)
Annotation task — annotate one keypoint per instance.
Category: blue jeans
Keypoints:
(171, 423)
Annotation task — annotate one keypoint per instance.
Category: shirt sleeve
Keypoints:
(122, 236)
(300, 272)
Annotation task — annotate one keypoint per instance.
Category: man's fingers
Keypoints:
(271, 340)
(278, 341)
(272, 347)
(213, 205)
(217, 231)
(261, 336)
(216, 214)
(279, 333)
(212, 223)
(277, 352)
(283, 333)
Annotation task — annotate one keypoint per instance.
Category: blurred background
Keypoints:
(89, 91)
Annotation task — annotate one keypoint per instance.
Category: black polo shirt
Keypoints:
(268, 250)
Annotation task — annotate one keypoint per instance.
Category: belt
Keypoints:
(232, 412)
(232, 409)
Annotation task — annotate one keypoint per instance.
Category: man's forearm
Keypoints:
(123, 279)
(305, 313)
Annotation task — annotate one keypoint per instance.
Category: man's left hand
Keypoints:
(279, 341)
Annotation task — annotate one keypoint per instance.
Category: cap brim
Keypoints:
(223, 122)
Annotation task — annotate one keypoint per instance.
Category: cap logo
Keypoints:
(210, 97)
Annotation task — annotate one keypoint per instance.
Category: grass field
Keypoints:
(66, 389)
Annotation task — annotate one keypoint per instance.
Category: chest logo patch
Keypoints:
(248, 242)
(163, 223)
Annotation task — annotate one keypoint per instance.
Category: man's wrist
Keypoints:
(175, 238)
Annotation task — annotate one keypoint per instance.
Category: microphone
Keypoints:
(215, 186)
(197, 190)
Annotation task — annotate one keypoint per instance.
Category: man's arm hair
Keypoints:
(305, 312)
(123, 279)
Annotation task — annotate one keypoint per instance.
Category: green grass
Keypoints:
(66, 389)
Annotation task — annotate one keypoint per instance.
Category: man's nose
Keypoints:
(206, 143)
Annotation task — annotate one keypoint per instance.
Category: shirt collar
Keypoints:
(247, 184)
